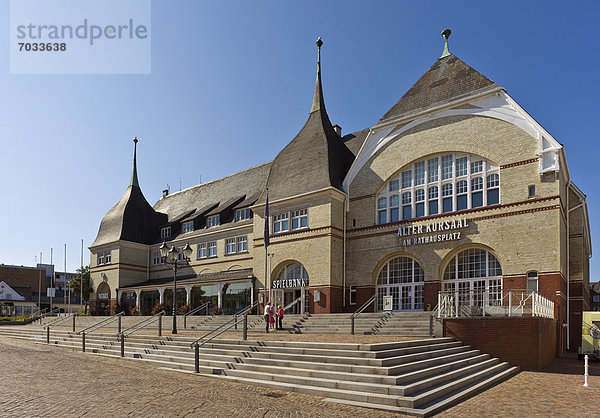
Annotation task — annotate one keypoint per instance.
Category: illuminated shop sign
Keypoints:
(432, 232)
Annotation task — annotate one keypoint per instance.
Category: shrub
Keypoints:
(157, 308)
(182, 310)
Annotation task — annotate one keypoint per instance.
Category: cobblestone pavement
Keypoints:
(54, 381)
(39, 380)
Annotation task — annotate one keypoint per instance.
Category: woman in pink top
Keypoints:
(280, 316)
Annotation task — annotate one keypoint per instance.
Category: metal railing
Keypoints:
(359, 311)
(243, 312)
(57, 322)
(195, 310)
(140, 325)
(39, 313)
(289, 305)
(495, 302)
(99, 325)
(49, 313)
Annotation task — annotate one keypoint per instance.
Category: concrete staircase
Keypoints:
(408, 324)
(419, 377)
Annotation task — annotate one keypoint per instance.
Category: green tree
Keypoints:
(87, 287)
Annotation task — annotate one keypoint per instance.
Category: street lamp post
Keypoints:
(169, 257)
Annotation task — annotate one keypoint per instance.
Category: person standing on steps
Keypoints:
(267, 310)
(280, 317)
(272, 318)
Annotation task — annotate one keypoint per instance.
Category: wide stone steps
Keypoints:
(417, 377)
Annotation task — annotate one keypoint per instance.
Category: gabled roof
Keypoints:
(132, 218)
(448, 79)
(315, 159)
(207, 195)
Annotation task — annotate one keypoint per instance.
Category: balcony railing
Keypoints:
(495, 302)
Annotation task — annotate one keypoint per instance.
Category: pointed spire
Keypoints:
(134, 178)
(446, 34)
(318, 101)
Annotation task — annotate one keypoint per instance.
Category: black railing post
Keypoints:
(83, 341)
(431, 325)
(160, 325)
(352, 325)
(74, 322)
(235, 321)
(245, 327)
(48, 335)
(184, 321)
(119, 326)
(122, 346)
(197, 358)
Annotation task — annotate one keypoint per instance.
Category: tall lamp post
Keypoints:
(169, 257)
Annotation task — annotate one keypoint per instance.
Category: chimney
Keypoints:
(337, 129)
(165, 192)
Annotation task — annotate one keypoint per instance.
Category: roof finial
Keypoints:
(318, 98)
(446, 34)
(134, 178)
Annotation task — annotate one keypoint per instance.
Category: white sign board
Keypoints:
(51, 292)
(317, 295)
(387, 303)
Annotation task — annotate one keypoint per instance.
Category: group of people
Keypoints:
(273, 318)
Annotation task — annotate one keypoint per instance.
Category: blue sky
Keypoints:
(232, 83)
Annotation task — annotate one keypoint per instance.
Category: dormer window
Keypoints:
(242, 214)
(165, 232)
(104, 257)
(188, 226)
(212, 221)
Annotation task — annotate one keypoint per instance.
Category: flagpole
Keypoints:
(266, 241)
(81, 280)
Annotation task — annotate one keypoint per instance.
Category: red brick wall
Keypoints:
(331, 300)
(530, 343)
(430, 294)
(363, 294)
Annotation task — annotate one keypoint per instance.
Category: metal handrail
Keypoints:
(38, 312)
(104, 323)
(198, 309)
(216, 335)
(363, 307)
(289, 305)
(60, 320)
(234, 319)
(142, 324)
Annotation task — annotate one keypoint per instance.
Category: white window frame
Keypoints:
(298, 215)
(214, 220)
(165, 232)
(242, 214)
(230, 246)
(202, 251)
(289, 217)
(435, 160)
(280, 219)
(352, 295)
(187, 227)
(100, 259)
(210, 248)
(156, 259)
(243, 240)
(107, 257)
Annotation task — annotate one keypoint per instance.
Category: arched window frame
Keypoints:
(407, 290)
(435, 178)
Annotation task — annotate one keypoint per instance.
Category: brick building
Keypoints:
(455, 189)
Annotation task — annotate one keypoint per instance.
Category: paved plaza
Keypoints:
(40, 380)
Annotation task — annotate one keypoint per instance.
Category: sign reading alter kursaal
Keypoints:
(432, 232)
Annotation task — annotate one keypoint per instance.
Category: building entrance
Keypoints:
(291, 285)
(402, 279)
(284, 297)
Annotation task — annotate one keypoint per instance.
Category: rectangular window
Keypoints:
(212, 221)
(188, 227)
(202, 250)
(156, 259)
(476, 199)
(242, 214)
(406, 178)
(419, 195)
(461, 166)
(381, 217)
(212, 249)
(420, 209)
(433, 207)
(531, 191)
(476, 167)
(596, 298)
(230, 246)
(394, 185)
(101, 258)
(242, 244)
(107, 257)
(432, 170)
(446, 189)
(447, 204)
(280, 223)
(300, 219)
(493, 197)
(352, 295)
(165, 232)
(394, 208)
(420, 173)
(446, 167)
(406, 212)
(461, 202)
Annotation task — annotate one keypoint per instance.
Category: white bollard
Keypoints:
(585, 375)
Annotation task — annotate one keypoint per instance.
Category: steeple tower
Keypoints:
(316, 158)
(134, 178)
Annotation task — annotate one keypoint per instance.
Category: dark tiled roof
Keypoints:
(248, 182)
(355, 140)
(315, 159)
(447, 80)
(131, 219)
(225, 205)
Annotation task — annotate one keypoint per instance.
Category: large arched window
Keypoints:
(402, 279)
(293, 272)
(439, 184)
(290, 282)
(474, 274)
